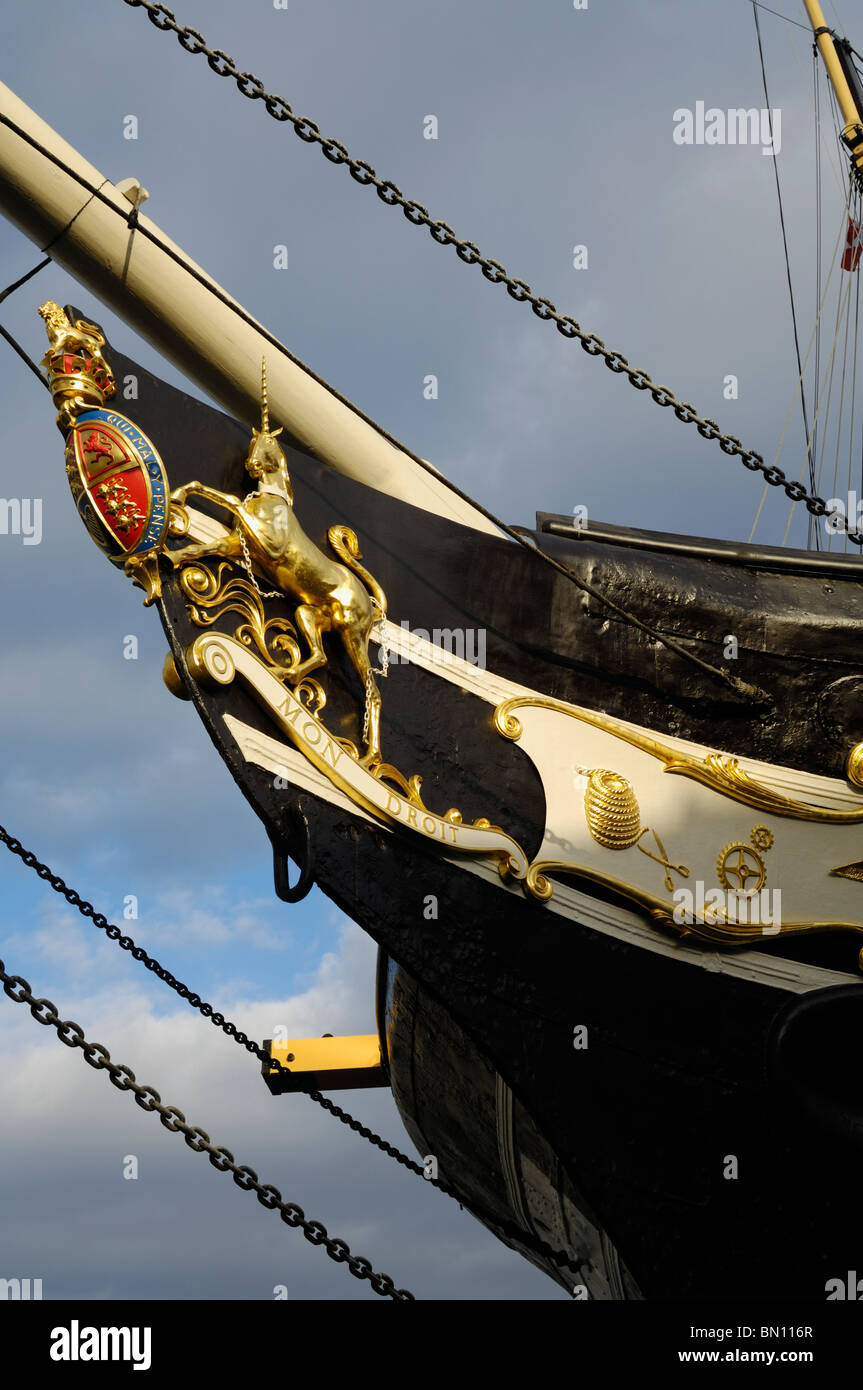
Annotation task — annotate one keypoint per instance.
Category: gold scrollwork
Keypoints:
(338, 597)
(718, 771)
(410, 789)
(722, 774)
(853, 871)
(854, 765)
(143, 570)
(712, 930)
(213, 595)
(312, 695)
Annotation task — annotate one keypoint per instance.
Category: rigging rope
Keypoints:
(841, 307)
(841, 410)
(10, 289)
(13, 343)
(779, 15)
(818, 242)
(820, 402)
(813, 528)
(813, 337)
(362, 172)
(707, 428)
(854, 377)
(856, 214)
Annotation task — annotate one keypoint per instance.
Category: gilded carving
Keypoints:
(342, 598)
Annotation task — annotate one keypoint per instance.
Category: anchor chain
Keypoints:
(745, 689)
(98, 1057)
(529, 1241)
(363, 173)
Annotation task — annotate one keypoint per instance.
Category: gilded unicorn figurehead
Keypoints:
(265, 457)
(267, 539)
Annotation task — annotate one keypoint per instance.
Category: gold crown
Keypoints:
(78, 375)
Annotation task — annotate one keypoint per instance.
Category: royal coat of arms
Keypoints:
(124, 498)
(117, 479)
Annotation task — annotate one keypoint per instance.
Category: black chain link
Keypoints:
(126, 943)
(98, 1057)
(519, 290)
(742, 688)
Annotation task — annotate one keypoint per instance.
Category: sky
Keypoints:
(555, 130)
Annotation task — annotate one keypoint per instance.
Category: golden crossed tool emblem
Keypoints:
(662, 858)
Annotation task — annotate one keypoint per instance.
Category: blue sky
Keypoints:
(555, 129)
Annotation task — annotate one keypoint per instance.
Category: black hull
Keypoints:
(681, 1072)
(686, 1067)
(798, 618)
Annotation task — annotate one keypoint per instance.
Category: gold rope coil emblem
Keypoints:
(611, 809)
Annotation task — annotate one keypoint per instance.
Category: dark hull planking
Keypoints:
(682, 1069)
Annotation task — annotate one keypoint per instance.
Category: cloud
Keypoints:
(686, 277)
(180, 1230)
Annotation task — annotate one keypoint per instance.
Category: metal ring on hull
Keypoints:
(305, 861)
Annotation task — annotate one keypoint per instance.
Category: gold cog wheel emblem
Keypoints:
(739, 864)
(761, 837)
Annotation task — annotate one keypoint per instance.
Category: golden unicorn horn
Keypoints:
(265, 414)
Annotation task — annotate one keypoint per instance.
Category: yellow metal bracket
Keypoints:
(325, 1064)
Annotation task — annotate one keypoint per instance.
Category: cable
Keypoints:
(28, 361)
(16, 285)
(812, 338)
(841, 402)
(13, 343)
(813, 529)
(820, 402)
(744, 689)
(93, 194)
(10, 289)
(818, 253)
(251, 87)
(854, 372)
(787, 18)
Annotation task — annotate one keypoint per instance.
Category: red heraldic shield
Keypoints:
(118, 482)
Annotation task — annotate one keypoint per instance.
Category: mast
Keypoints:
(836, 54)
(155, 287)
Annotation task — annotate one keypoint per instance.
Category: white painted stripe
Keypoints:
(609, 919)
(831, 792)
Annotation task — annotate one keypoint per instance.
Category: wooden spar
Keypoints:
(201, 335)
(853, 118)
